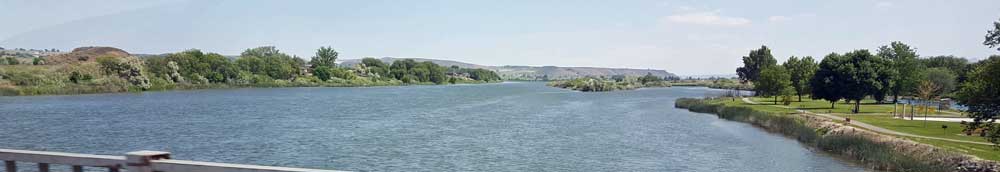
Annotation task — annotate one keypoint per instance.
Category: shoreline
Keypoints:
(870, 149)
(226, 86)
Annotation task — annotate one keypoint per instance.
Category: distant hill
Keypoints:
(85, 54)
(558, 73)
(534, 72)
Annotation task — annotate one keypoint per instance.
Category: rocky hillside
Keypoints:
(535, 72)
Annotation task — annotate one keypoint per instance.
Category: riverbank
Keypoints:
(874, 150)
(89, 70)
(76, 89)
(601, 85)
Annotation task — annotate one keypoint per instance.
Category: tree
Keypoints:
(376, 66)
(954, 64)
(825, 83)
(801, 71)
(128, 68)
(325, 56)
(753, 63)
(993, 36)
(269, 61)
(648, 78)
(852, 76)
(323, 72)
(943, 78)
(981, 94)
(187, 64)
(772, 82)
(861, 75)
(905, 67)
(12, 61)
(38, 61)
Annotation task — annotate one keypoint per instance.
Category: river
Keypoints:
(487, 127)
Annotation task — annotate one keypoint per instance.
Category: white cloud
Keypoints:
(778, 18)
(707, 18)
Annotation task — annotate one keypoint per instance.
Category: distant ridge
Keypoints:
(534, 72)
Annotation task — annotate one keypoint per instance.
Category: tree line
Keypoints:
(892, 71)
(264, 64)
(192, 69)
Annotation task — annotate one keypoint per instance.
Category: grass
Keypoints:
(917, 127)
(822, 106)
(879, 156)
(982, 151)
(879, 115)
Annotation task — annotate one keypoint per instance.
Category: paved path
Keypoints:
(869, 126)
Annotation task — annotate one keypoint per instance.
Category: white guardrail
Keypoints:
(139, 161)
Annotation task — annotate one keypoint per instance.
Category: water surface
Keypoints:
(489, 127)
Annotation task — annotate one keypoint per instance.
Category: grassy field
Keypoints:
(822, 106)
(918, 127)
(981, 151)
(880, 115)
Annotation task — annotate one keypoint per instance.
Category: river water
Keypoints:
(486, 127)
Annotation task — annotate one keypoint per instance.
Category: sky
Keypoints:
(687, 37)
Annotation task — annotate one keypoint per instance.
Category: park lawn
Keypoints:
(879, 115)
(982, 151)
(823, 106)
(917, 127)
(761, 107)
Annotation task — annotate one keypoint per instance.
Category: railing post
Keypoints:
(140, 161)
(11, 166)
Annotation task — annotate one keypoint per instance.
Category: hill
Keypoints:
(85, 54)
(534, 72)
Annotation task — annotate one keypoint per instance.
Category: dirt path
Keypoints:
(868, 126)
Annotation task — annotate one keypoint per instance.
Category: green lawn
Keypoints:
(918, 127)
(822, 106)
(981, 151)
(879, 115)
(760, 107)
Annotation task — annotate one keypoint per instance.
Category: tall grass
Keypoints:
(876, 155)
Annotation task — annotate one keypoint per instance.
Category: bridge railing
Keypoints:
(139, 161)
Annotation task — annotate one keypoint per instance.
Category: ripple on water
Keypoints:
(489, 127)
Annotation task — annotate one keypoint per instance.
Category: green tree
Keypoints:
(943, 78)
(993, 36)
(376, 66)
(38, 61)
(401, 68)
(954, 64)
(852, 76)
(270, 62)
(773, 81)
(194, 63)
(323, 72)
(861, 76)
(325, 56)
(128, 68)
(753, 63)
(343, 73)
(801, 71)
(981, 94)
(12, 61)
(905, 73)
(649, 78)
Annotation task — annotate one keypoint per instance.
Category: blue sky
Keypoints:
(684, 37)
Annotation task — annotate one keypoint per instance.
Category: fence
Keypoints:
(139, 161)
